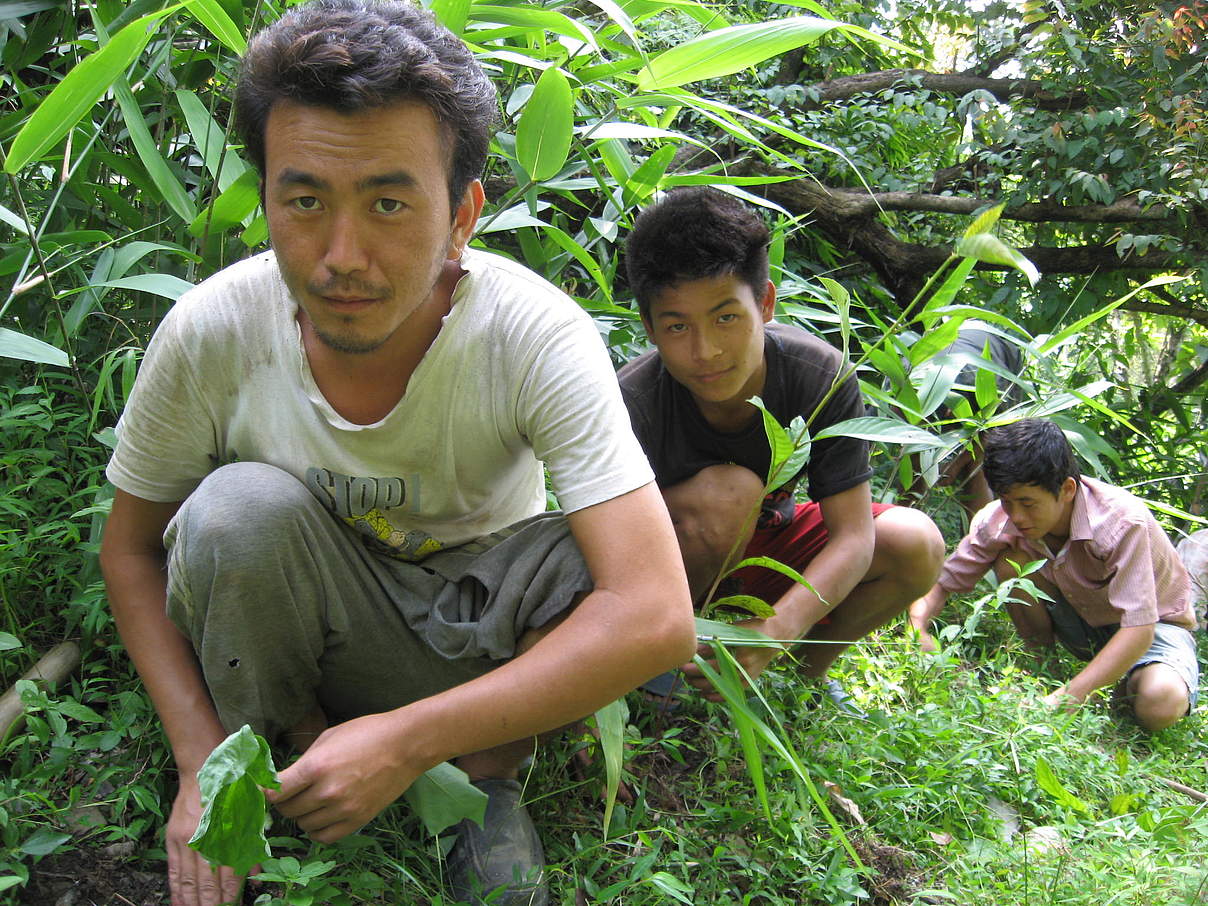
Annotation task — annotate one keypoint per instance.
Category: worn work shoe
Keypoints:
(504, 853)
(834, 690)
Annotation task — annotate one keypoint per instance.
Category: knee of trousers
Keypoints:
(238, 527)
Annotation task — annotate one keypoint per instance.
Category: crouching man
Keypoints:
(328, 519)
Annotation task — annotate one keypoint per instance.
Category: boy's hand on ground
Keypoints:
(192, 881)
(1063, 699)
(754, 660)
(345, 779)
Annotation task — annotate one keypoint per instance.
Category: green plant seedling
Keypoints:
(234, 811)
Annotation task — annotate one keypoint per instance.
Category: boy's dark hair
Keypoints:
(692, 234)
(356, 55)
(1029, 451)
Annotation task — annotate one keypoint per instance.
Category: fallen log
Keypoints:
(51, 669)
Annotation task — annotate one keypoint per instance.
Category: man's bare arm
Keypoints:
(133, 563)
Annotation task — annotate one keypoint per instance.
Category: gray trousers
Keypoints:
(287, 607)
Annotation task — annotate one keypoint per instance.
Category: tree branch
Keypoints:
(957, 83)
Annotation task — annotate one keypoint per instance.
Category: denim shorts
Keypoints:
(1172, 645)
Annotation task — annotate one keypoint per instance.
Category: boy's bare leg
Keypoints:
(906, 561)
(1159, 696)
(709, 511)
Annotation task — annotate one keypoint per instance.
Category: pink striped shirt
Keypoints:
(1118, 566)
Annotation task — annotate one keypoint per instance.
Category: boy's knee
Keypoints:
(1160, 697)
(911, 546)
(711, 508)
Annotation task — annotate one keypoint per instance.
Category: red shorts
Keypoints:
(795, 545)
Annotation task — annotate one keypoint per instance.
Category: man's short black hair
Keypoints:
(695, 233)
(356, 55)
(1030, 451)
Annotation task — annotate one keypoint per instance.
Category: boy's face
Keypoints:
(1036, 512)
(709, 333)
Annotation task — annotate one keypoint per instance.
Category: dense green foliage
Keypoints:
(122, 188)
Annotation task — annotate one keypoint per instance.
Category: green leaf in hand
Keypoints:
(443, 796)
(231, 830)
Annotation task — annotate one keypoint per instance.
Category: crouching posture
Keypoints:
(1119, 597)
(328, 519)
(698, 266)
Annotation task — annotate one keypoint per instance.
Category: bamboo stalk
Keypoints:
(49, 671)
(1185, 790)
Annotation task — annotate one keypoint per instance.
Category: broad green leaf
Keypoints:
(992, 250)
(621, 18)
(443, 796)
(225, 166)
(231, 829)
(610, 721)
(883, 430)
(949, 288)
(935, 339)
(935, 380)
(1078, 326)
(757, 607)
(544, 132)
(15, 345)
(731, 49)
(230, 208)
(13, 220)
(9, 642)
(536, 19)
(730, 684)
(170, 188)
(452, 14)
(647, 177)
(985, 221)
(513, 218)
(211, 14)
(1050, 784)
(580, 254)
(715, 630)
(74, 96)
(43, 842)
(674, 887)
(776, 566)
(779, 442)
(165, 285)
(634, 131)
(79, 711)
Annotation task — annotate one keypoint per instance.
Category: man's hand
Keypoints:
(1062, 699)
(192, 881)
(753, 659)
(346, 778)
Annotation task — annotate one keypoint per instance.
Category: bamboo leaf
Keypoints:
(170, 188)
(165, 285)
(216, 20)
(948, 289)
(225, 166)
(544, 132)
(452, 14)
(985, 221)
(884, 430)
(757, 607)
(1078, 326)
(74, 96)
(14, 345)
(729, 50)
(610, 721)
(992, 250)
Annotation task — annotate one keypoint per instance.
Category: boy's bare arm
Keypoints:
(1109, 665)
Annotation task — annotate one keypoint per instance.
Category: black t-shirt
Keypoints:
(679, 442)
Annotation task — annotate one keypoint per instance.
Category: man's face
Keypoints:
(358, 211)
(709, 333)
(1036, 512)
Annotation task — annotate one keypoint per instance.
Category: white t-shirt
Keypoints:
(517, 375)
